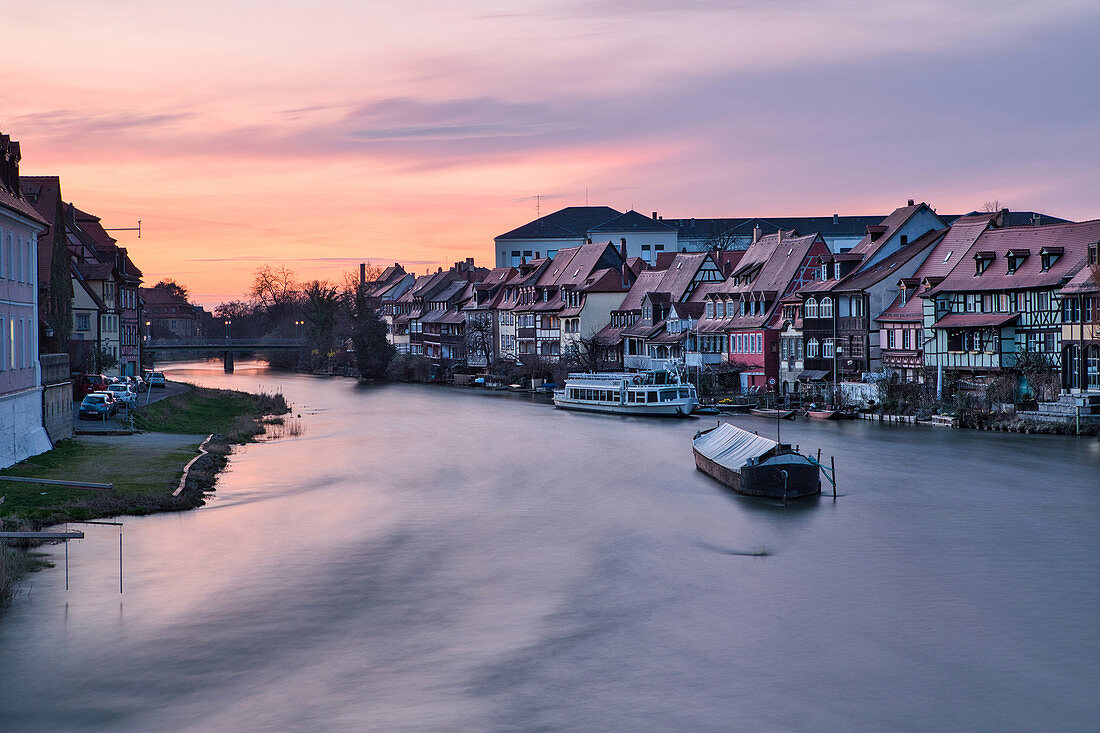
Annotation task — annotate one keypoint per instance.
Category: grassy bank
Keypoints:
(145, 469)
(231, 414)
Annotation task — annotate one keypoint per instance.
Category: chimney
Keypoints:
(654, 215)
(910, 202)
(779, 235)
(756, 234)
(362, 274)
(1004, 217)
(588, 240)
(622, 247)
(836, 219)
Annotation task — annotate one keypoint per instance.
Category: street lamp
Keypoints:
(148, 331)
(228, 323)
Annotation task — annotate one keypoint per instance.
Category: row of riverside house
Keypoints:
(798, 305)
(70, 300)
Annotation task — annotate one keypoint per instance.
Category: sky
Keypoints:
(319, 135)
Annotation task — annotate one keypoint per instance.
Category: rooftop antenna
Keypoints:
(538, 206)
(586, 195)
(127, 229)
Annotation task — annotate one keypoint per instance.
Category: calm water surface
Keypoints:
(433, 559)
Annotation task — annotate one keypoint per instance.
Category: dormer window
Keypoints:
(742, 307)
(982, 261)
(1049, 256)
(1094, 254)
(1015, 258)
(836, 270)
(710, 309)
(720, 309)
(824, 272)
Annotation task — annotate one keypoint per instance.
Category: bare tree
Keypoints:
(480, 335)
(274, 290)
(588, 353)
(720, 240)
(992, 207)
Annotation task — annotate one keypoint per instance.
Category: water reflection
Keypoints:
(430, 558)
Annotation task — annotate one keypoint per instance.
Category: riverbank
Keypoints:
(145, 468)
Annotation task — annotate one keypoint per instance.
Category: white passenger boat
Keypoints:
(657, 392)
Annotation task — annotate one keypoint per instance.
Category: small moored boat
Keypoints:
(773, 414)
(753, 465)
(822, 414)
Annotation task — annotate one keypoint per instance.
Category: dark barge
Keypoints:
(752, 465)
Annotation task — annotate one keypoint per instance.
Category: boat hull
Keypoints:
(822, 414)
(680, 408)
(781, 414)
(764, 481)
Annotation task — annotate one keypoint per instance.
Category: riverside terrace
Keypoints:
(225, 348)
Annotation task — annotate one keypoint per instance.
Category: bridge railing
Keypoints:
(258, 344)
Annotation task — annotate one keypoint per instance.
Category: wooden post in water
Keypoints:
(120, 562)
(66, 564)
(832, 465)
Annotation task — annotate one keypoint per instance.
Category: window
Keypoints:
(82, 322)
(811, 308)
(811, 349)
(857, 305)
(1071, 310)
(720, 309)
(890, 342)
(710, 309)
(826, 307)
(827, 348)
(954, 340)
(836, 270)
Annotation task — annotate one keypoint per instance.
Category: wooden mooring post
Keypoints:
(832, 470)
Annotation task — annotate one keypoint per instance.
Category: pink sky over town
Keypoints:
(319, 135)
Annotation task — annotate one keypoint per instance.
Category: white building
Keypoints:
(21, 431)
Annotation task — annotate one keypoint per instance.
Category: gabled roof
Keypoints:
(43, 193)
(772, 262)
(572, 221)
(573, 266)
(1074, 240)
(887, 269)
(952, 248)
(1085, 281)
(827, 226)
(632, 221)
(647, 280)
(887, 228)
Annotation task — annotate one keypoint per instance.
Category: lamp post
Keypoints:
(228, 323)
(148, 331)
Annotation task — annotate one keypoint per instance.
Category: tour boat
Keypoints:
(753, 465)
(659, 391)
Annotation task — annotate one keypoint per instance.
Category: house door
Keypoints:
(1071, 367)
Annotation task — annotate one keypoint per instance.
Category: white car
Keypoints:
(124, 393)
(156, 379)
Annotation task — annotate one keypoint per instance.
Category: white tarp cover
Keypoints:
(731, 446)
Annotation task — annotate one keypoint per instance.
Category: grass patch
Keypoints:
(236, 415)
(144, 477)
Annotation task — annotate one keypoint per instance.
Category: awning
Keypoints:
(975, 320)
(730, 446)
(813, 375)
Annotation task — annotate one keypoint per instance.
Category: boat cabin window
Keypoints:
(651, 396)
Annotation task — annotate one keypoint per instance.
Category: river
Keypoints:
(429, 558)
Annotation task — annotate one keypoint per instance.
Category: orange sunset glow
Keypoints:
(320, 136)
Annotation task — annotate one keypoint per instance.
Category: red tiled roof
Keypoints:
(1073, 238)
(1085, 281)
(971, 320)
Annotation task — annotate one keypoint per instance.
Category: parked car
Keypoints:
(124, 393)
(98, 405)
(139, 384)
(156, 379)
(88, 383)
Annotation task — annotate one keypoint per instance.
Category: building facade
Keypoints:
(21, 431)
